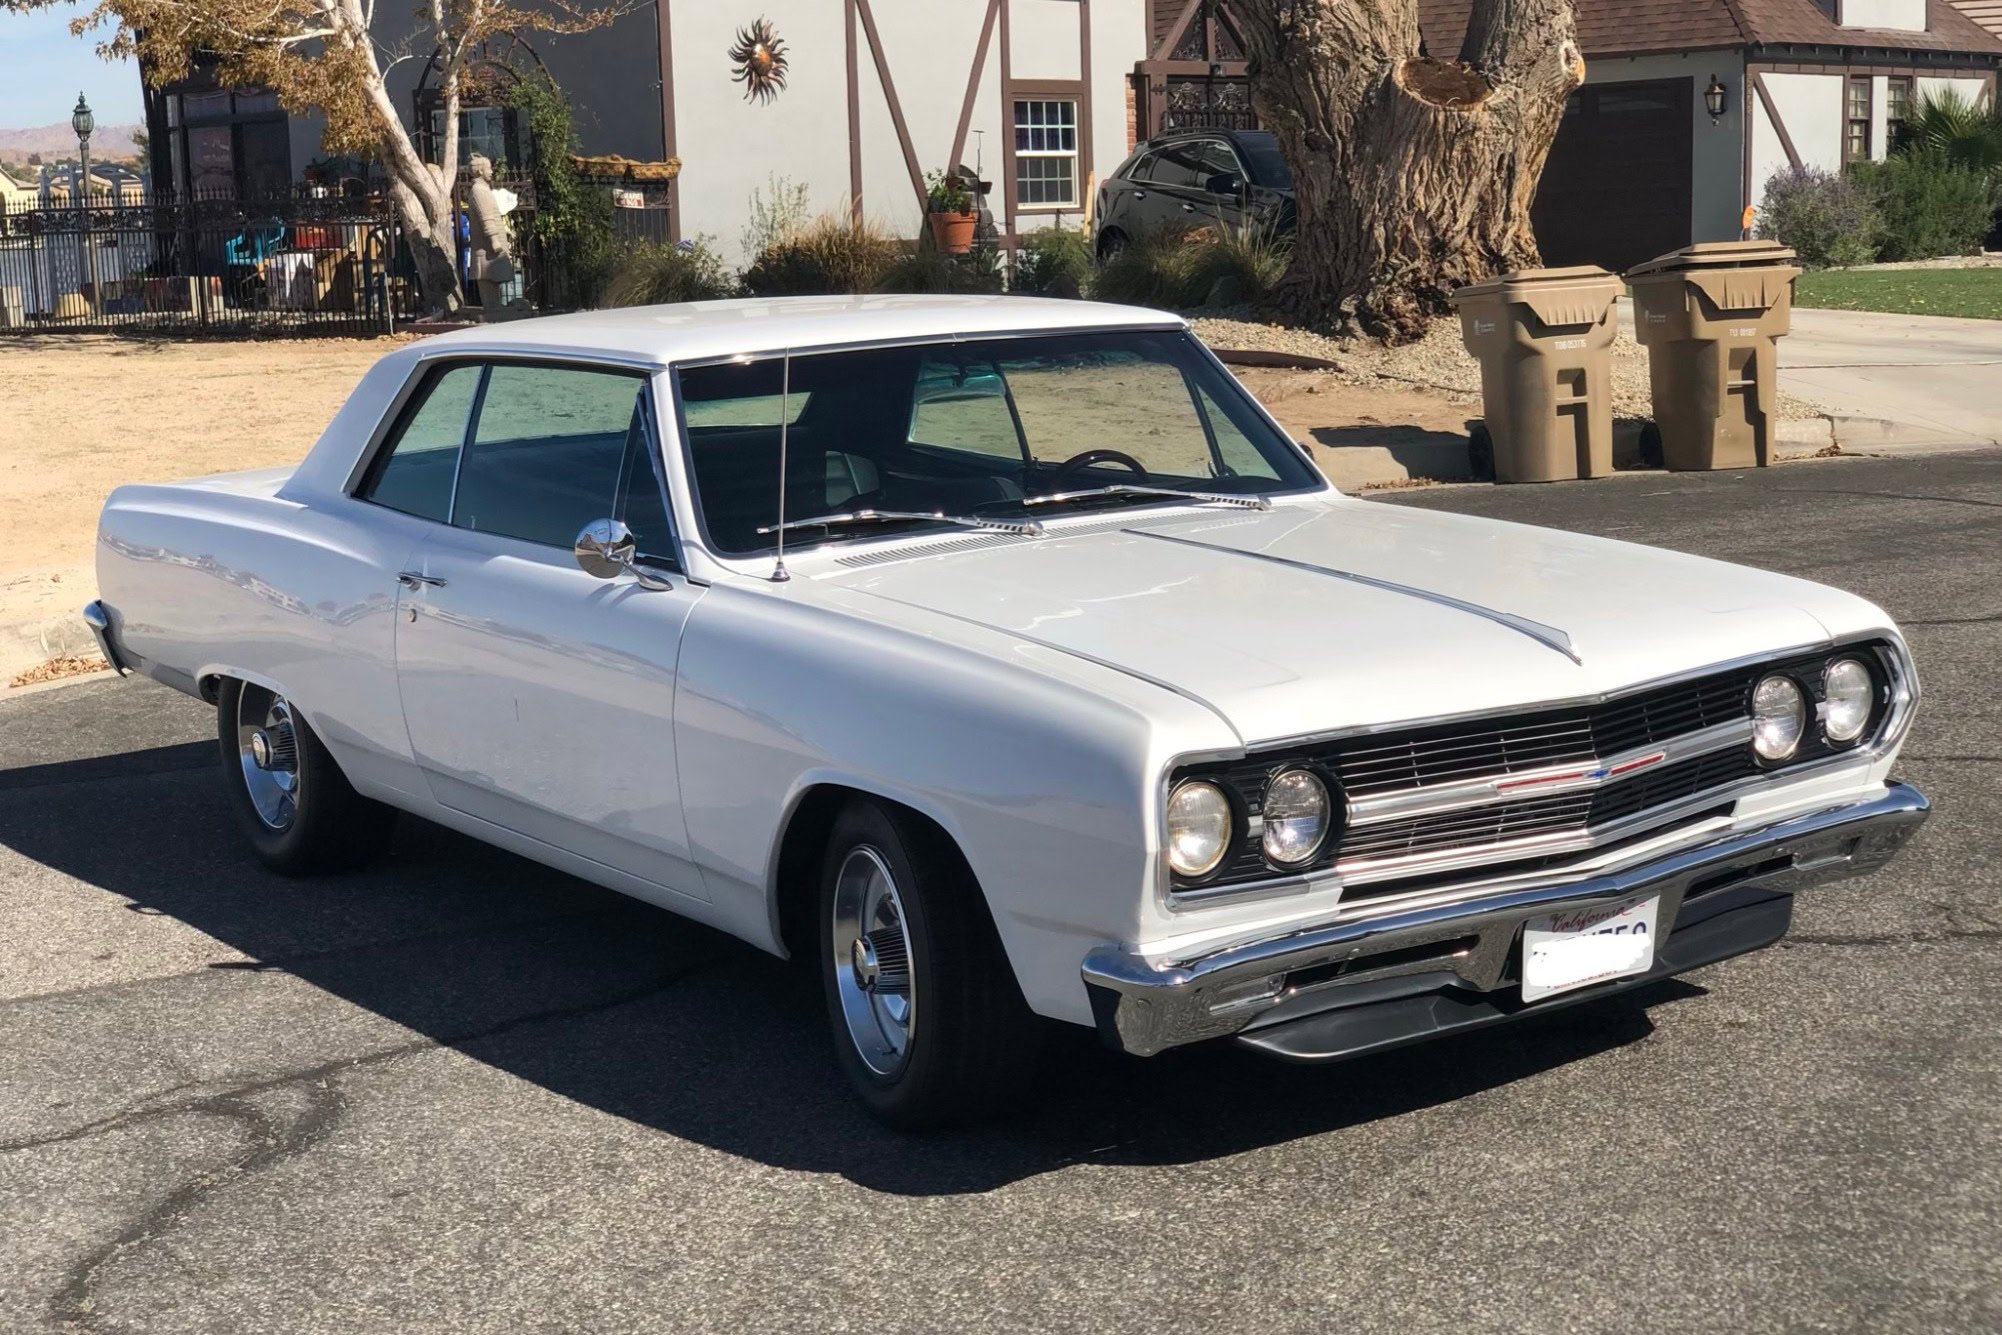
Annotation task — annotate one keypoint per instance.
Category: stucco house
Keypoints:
(1039, 96)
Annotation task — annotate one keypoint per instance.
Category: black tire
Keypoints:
(328, 826)
(972, 1040)
(1481, 452)
(1110, 243)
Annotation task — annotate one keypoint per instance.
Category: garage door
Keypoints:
(1616, 190)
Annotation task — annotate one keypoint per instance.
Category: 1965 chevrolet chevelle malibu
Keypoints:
(1005, 657)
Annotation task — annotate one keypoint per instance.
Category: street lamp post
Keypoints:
(83, 123)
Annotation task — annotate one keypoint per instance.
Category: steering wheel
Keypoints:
(1079, 462)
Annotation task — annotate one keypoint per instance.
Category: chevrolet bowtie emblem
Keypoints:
(1593, 774)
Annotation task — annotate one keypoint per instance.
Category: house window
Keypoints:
(1045, 153)
(1897, 108)
(1856, 144)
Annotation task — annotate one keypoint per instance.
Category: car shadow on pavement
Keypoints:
(645, 1016)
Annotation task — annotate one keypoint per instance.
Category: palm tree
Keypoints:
(1953, 128)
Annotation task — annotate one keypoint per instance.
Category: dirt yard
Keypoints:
(81, 414)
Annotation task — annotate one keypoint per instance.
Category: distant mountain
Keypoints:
(108, 143)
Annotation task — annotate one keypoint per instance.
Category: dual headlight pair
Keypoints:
(1296, 816)
(1780, 709)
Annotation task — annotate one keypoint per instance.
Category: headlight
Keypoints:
(1779, 715)
(1296, 817)
(1198, 827)
(1850, 691)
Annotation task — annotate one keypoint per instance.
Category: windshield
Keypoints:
(1261, 153)
(975, 429)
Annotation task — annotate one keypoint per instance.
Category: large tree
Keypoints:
(1414, 173)
(330, 56)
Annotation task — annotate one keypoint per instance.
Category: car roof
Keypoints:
(696, 331)
(1201, 132)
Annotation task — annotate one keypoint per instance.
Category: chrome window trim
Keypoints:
(1904, 696)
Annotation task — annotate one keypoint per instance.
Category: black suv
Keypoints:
(1188, 178)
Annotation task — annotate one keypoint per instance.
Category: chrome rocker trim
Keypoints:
(1146, 1006)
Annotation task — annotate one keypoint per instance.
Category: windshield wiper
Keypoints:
(1149, 493)
(1028, 528)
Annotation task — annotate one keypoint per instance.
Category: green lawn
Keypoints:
(1970, 292)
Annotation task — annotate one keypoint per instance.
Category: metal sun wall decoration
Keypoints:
(760, 57)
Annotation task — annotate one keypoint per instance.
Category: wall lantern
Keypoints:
(1713, 99)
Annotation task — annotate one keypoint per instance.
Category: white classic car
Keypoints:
(1006, 658)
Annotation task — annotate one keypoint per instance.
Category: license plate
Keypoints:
(1564, 951)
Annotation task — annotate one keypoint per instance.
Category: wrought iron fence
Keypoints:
(204, 265)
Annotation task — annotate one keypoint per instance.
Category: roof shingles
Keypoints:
(1629, 27)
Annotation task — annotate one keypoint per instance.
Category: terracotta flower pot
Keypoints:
(952, 233)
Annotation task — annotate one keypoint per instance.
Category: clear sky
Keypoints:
(43, 68)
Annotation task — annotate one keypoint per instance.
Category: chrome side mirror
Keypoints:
(605, 549)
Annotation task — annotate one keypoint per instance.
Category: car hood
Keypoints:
(1319, 616)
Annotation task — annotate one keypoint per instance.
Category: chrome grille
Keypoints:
(1371, 765)
(1476, 828)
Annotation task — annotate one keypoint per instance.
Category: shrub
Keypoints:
(830, 255)
(1182, 270)
(1826, 218)
(1229, 266)
(1930, 205)
(926, 268)
(656, 275)
(572, 220)
(1149, 270)
(777, 213)
(1053, 262)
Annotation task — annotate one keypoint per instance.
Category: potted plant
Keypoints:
(950, 212)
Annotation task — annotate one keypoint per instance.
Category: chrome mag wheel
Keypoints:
(268, 748)
(872, 962)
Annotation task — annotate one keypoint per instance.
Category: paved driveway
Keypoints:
(1930, 379)
(461, 1093)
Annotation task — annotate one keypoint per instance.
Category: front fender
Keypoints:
(1042, 768)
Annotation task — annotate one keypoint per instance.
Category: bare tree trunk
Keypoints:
(1414, 175)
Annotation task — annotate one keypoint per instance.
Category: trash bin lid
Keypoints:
(1576, 295)
(1716, 255)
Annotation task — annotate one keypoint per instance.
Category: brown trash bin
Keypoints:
(1708, 315)
(1541, 336)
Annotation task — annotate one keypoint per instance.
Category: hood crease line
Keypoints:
(1550, 637)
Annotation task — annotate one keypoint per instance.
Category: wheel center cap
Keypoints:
(260, 749)
(863, 958)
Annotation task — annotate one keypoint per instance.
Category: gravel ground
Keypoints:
(1987, 259)
(1438, 360)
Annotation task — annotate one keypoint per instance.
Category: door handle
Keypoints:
(1188, 208)
(410, 579)
(1139, 194)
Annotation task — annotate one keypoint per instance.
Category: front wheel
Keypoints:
(289, 795)
(927, 1020)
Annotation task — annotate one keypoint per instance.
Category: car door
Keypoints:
(1216, 162)
(537, 697)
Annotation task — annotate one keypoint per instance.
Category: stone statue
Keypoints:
(492, 247)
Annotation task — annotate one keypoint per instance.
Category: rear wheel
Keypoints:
(1110, 242)
(927, 1020)
(291, 799)
(1480, 453)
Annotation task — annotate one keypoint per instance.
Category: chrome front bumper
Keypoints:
(1469, 948)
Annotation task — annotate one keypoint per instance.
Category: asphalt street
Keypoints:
(462, 1093)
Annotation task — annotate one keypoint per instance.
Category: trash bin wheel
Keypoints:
(1480, 453)
(1650, 445)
